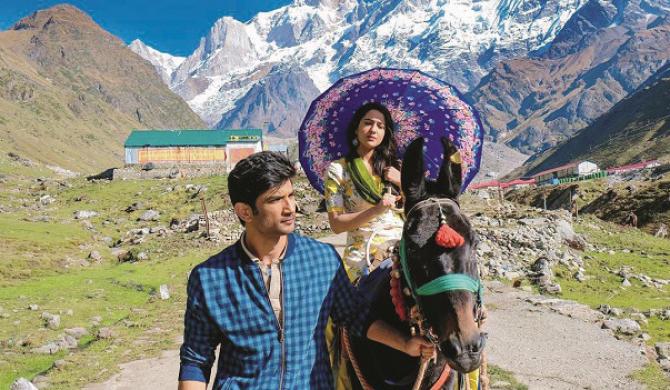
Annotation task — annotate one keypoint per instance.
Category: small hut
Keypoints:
(191, 147)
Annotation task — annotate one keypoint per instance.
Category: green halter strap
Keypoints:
(444, 283)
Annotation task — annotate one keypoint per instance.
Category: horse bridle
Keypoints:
(444, 283)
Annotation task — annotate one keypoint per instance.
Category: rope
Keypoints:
(354, 363)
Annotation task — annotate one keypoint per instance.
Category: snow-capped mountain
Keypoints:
(456, 40)
(164, 63)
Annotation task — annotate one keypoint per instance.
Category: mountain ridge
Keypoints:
(70, 92)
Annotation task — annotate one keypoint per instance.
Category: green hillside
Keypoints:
(70, 92)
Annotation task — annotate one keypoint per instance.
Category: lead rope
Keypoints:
(354, 363)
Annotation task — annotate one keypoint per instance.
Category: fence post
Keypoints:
(204, 210)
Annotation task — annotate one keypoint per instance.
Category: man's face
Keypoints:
(276, 211)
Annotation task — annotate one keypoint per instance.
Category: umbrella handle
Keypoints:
(389, 191)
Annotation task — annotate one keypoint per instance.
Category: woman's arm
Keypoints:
(344, 222)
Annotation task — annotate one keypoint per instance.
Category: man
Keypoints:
(266, 299)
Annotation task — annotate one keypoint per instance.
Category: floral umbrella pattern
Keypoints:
(421, 106)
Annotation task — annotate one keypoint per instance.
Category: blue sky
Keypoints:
(172, 26)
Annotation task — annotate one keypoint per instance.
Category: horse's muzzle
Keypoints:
(464, 356)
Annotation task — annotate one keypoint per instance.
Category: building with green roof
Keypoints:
(194, 147)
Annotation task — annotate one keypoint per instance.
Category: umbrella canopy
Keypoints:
(421, 106)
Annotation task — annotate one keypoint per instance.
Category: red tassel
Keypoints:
(447, 237)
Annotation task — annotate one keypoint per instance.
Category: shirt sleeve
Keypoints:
(201, 335)
(334, 188)
(350, 307)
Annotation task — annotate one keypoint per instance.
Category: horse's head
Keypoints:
(451, 311)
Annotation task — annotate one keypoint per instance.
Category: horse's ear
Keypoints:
(449, 181)
(413, 177)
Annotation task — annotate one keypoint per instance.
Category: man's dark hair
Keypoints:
(256, 174)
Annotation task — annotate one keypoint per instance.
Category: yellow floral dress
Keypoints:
(342, 197)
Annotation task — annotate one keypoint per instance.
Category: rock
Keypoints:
(142, 256)
(665, 364)
(616, 312)
(84, 214)
(134, 207)
(579, 275)
(105, 333)
(47, 200)
(625, 326)
(625, 283)
(33, 307)
(23, 384)
(149, 215)
(77, 332)
(65, 342)
(663, 350)
(60, 363)
(124, 255)
(52, 321)
(95, 255)
(164, 292)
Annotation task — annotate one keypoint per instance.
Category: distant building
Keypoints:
(633, 167)
(192, 147)
(279, 148)
(554, 175)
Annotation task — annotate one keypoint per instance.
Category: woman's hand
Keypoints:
(418, 346)
(392, 175)
(388, 201)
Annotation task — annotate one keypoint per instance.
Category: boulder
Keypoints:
(663, 350)
(84, 214)
(22, 384)
(625, 326)
(150, 215)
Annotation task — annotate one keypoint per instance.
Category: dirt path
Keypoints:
(543, 349)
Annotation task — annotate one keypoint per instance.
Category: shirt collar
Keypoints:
(253, 257)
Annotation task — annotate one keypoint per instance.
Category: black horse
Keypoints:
(450, 315)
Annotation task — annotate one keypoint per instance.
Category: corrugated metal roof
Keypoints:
(166, 138)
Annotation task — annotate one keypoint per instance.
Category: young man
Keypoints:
(266, 299)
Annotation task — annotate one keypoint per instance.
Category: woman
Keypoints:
(358, 188)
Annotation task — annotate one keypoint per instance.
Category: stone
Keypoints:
(22, 384)
(60, 363)
(95, 255)
(149, 215)
(47, 200)
(84, 214)
(33, 307)
(52, 321)
(77, 332)
(665, 364)
(105, 333)
(663, 350)
(134, 207)
(142, 256)
(164, 292)
(625, 283)
(625, 326)
(616, 312)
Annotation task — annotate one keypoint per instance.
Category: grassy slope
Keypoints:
(33, 273)
(70, 93)
(649, 256)
(636, 129)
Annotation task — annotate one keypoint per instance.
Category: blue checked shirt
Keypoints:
(228, 305)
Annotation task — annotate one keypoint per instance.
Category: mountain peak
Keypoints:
(59, 14)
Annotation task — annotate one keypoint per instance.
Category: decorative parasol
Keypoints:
(421, 106)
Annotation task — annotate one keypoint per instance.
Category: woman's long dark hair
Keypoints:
(384, 154)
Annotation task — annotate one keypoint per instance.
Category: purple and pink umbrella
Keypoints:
(421, 106)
